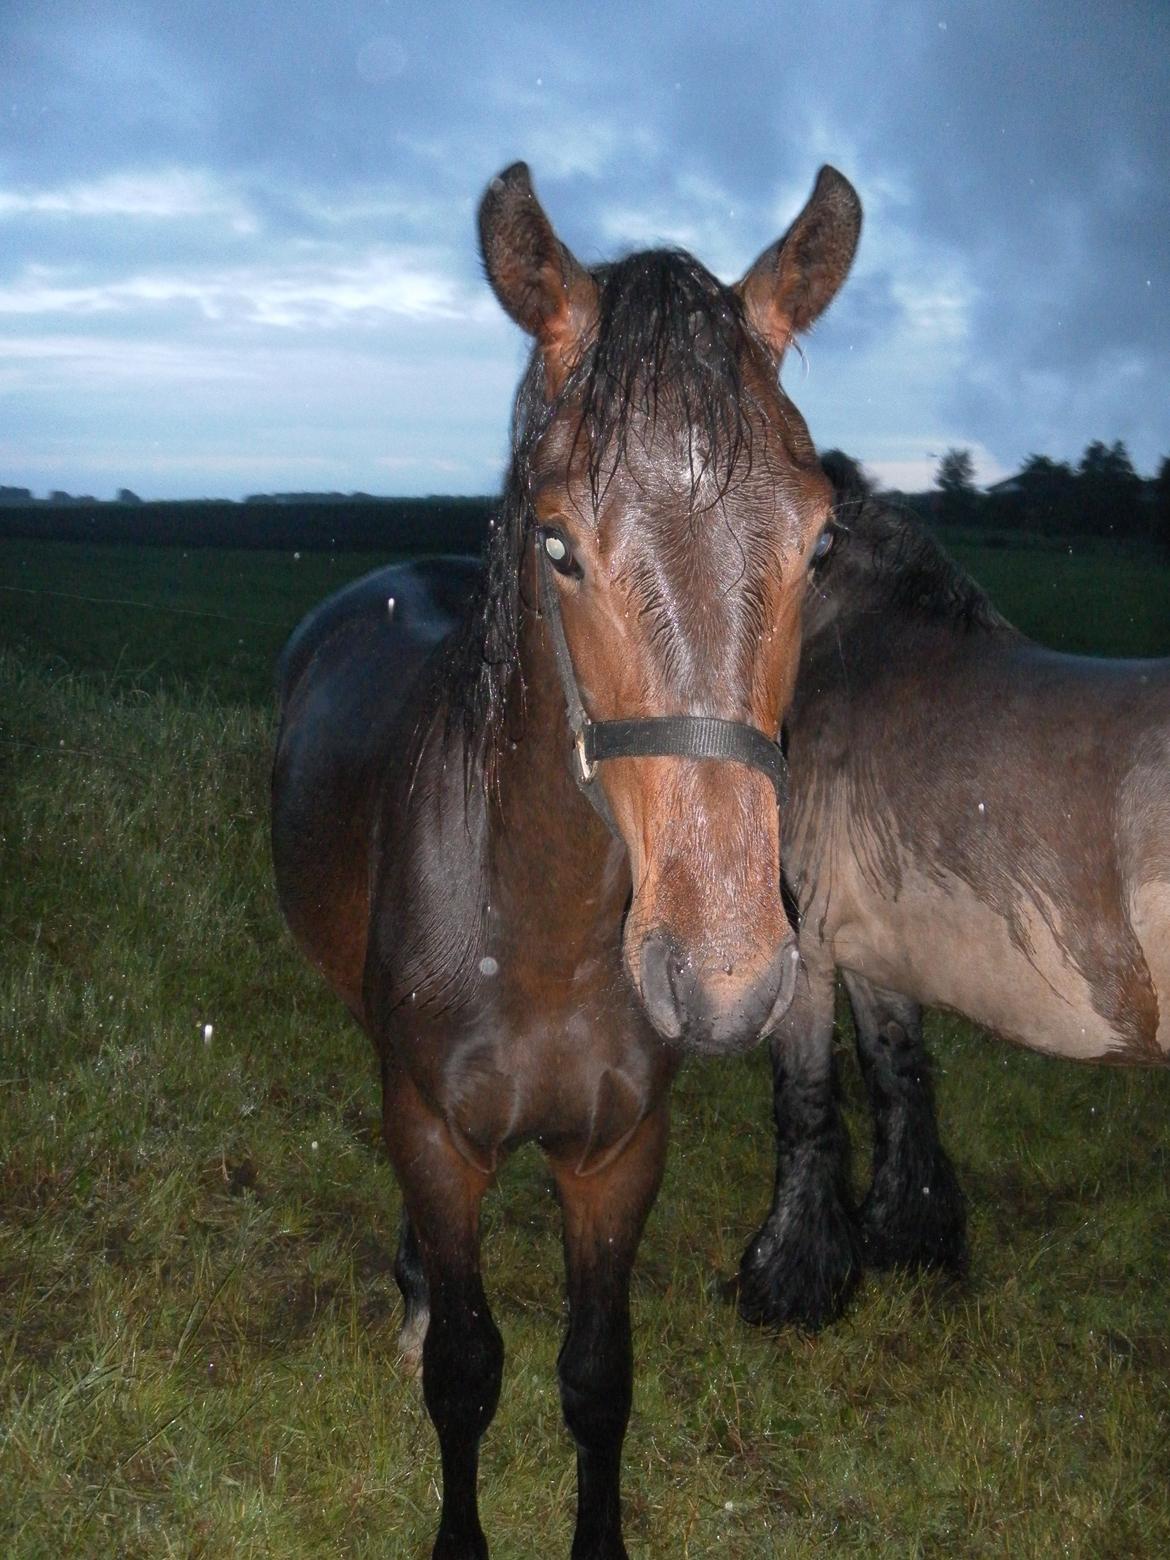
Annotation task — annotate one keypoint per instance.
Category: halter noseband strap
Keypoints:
(658, 736)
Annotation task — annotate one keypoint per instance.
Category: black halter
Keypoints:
(657, 736)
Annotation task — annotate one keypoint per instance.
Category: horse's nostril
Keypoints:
(785, 967)
(662, 977)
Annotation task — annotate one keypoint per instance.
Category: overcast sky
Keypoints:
(237, 244)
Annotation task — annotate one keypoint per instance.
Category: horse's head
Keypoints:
(877, 572)
(845, 576)
(677, 499)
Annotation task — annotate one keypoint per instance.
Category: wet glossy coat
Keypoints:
(524, 973)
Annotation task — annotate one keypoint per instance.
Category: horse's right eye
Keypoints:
(823, 545)
(557, 551)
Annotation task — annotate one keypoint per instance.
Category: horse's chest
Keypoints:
(578, 1082)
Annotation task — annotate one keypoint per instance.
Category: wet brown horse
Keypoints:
(536, 851)
(978, 823)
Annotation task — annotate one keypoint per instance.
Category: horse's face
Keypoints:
(680, 594)
(677, 495)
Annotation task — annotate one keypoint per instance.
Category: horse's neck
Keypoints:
(868, 640)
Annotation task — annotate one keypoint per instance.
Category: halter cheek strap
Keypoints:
(658, 736)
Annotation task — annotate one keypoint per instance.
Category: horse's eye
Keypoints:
(823, 546)
(556, 550)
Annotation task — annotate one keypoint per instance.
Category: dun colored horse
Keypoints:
(977, 823)
(535, 850)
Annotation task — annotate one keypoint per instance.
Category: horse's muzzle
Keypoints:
(713, 1012)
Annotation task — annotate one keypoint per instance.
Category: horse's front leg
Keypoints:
(802, 1265)
(914, 1214)
(604, 1212)
(463, 1354)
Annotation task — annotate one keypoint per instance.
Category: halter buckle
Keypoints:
(585, 769)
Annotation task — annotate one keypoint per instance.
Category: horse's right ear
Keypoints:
(794, 281)
(545, 290)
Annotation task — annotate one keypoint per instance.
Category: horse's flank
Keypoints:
(978, 822)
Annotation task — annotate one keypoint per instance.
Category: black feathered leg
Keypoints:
(803, 1264)
(914, 1214)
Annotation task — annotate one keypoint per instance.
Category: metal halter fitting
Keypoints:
(658, 736)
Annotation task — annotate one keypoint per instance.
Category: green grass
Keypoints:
(197, 1315)
(1082, 595)
(145, 617)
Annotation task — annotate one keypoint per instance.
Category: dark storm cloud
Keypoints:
(1047, 167)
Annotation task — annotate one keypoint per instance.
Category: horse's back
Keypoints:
(345, 682)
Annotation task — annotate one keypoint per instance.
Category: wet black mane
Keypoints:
(669, 341)
(885, 562)
(669, 336)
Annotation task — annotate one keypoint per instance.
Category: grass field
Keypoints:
(197, 1314)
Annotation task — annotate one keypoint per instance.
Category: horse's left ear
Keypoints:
(794, 281)
(545, 290)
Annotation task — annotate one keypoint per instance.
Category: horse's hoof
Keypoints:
(941, 1251)
(805, 1284)
(920, 1224)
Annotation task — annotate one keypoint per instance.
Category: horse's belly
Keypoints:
(941, 945)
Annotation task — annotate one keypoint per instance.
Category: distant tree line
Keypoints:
(305, 522)
(1101, 496)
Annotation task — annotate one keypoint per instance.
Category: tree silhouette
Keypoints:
(1047, 497)
(956, 481)
(1109, 490)
(1160, 517)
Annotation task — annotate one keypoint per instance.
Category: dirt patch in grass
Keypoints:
(1137, 1351)
(1017, 1200)
(31, 1189)
(228, 1176)
(41, 1318)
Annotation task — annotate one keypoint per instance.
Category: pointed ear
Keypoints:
(794, 281)
(534, 276)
